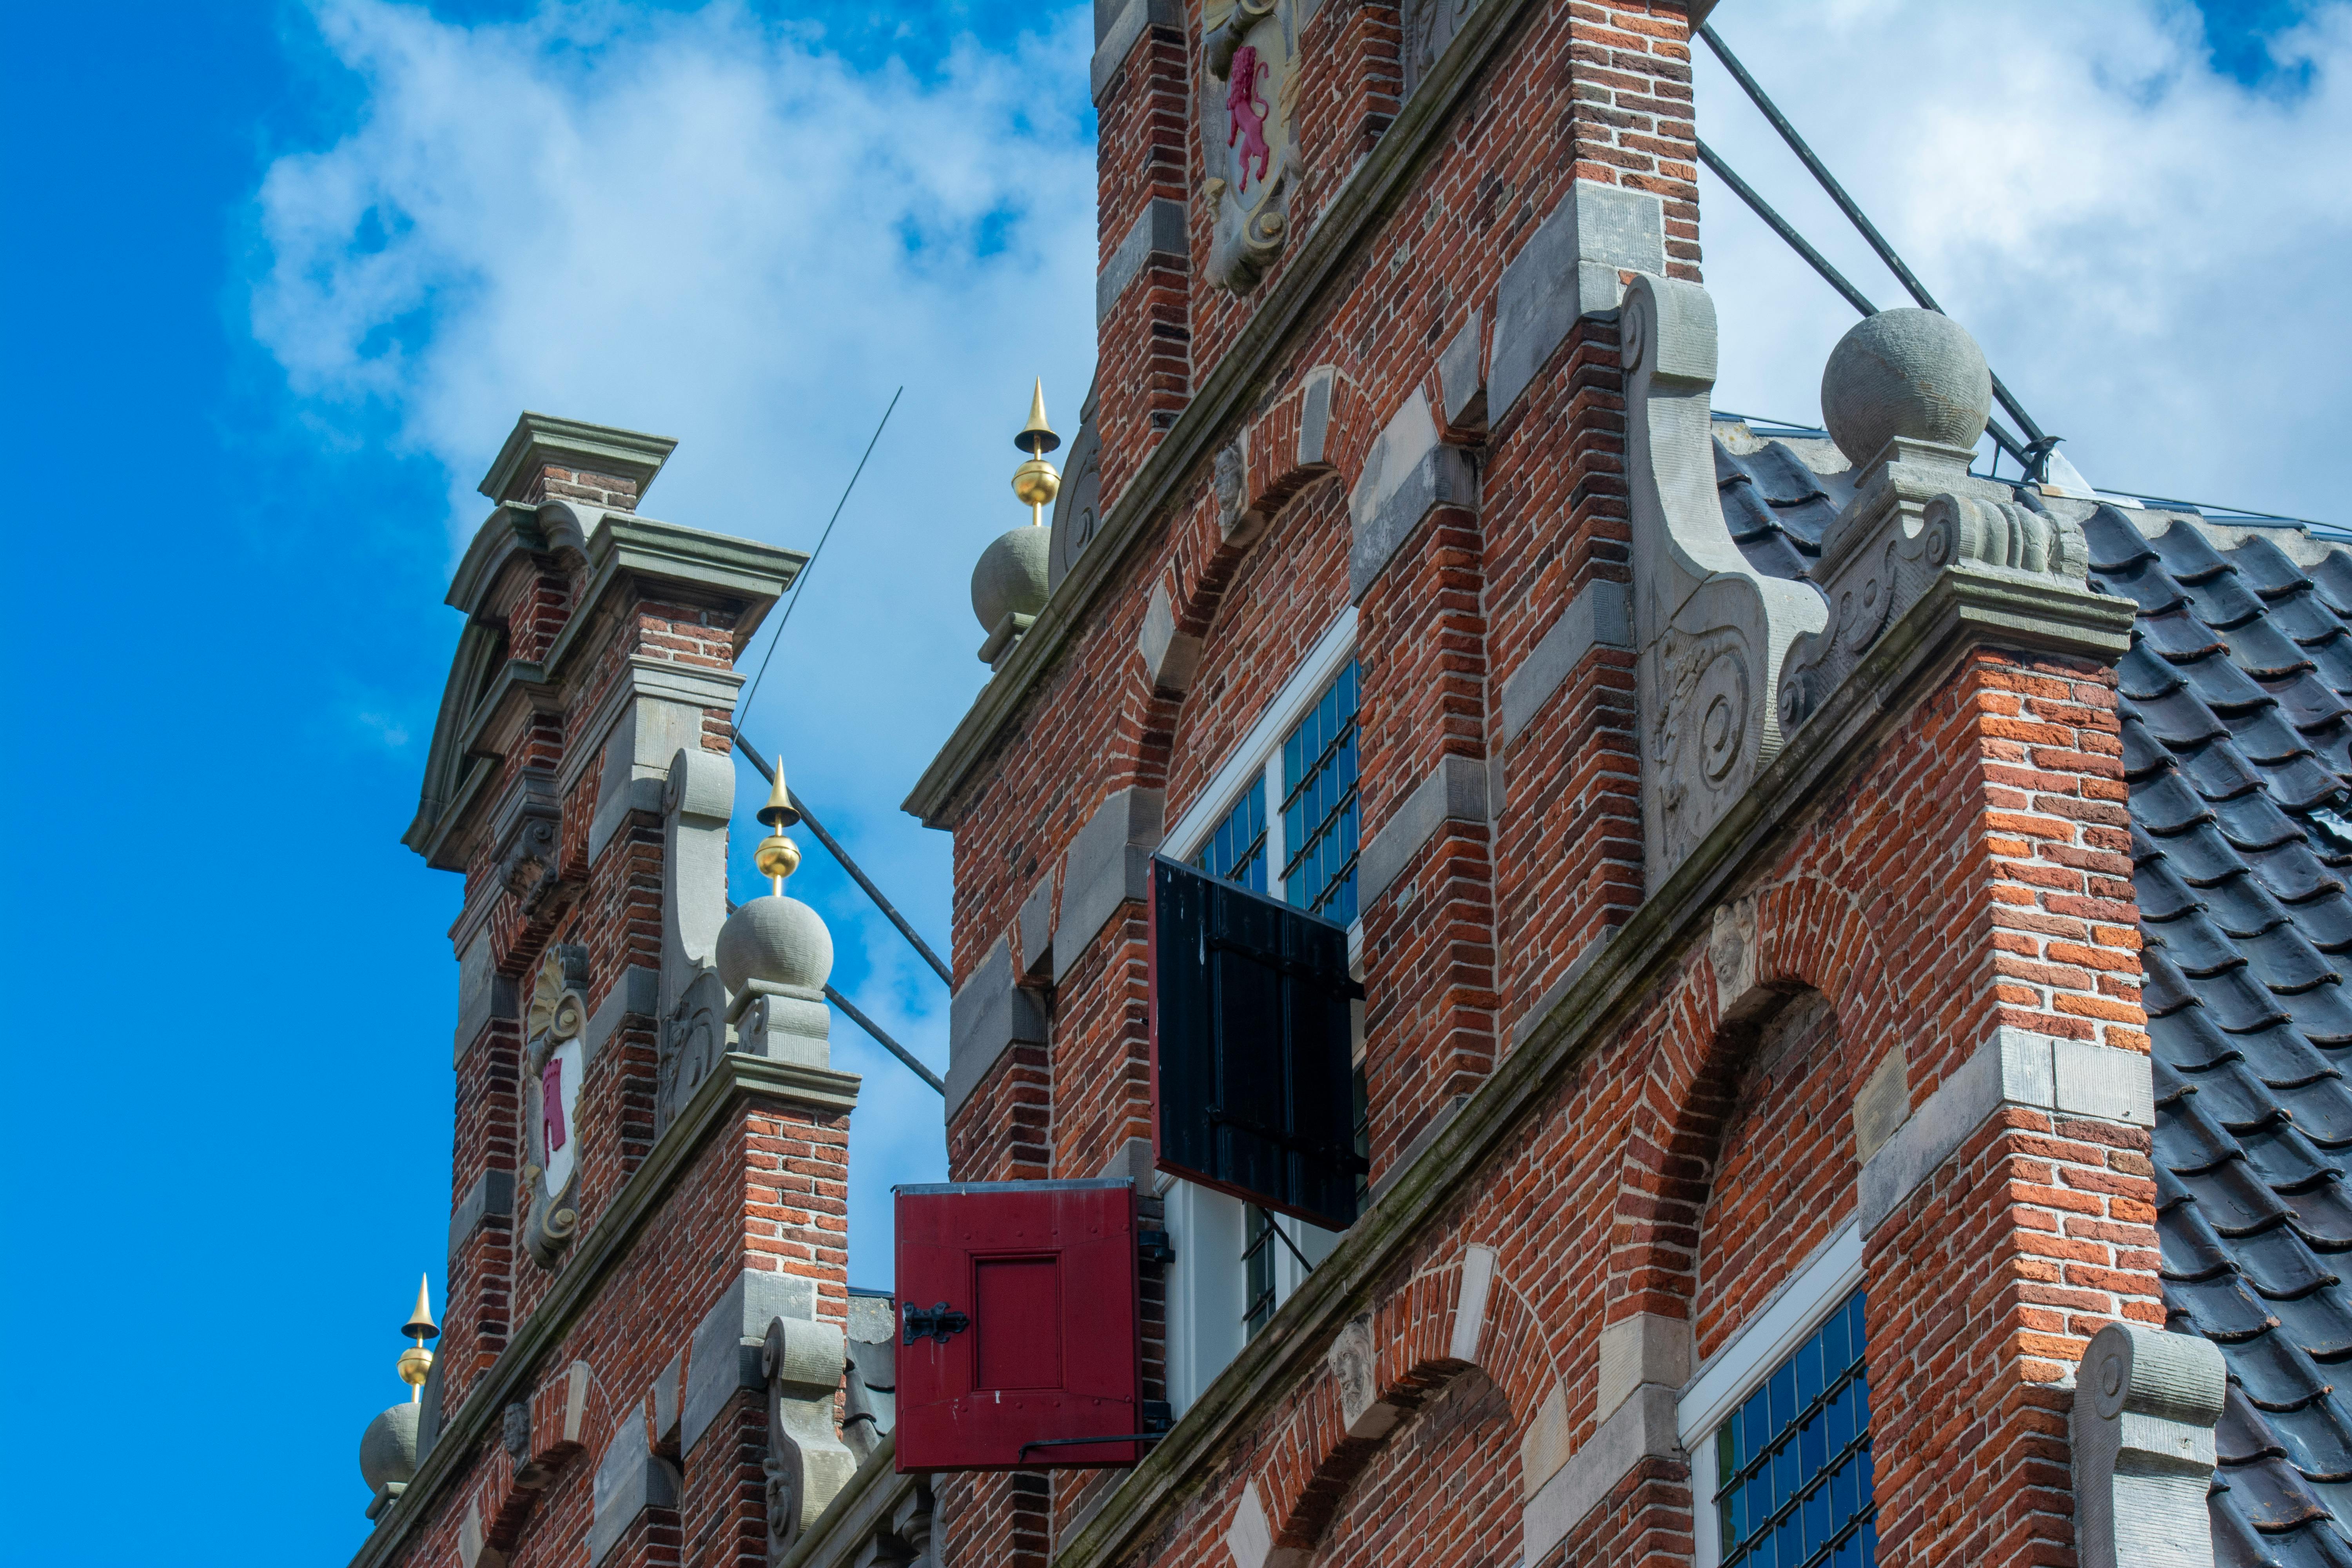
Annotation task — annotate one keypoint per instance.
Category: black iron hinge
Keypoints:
(935, 1322)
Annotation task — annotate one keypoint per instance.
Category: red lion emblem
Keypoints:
(1246, 112)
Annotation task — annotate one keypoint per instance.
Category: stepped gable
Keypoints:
(2236, 702)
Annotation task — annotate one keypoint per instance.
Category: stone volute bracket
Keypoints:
(2146, 1403)
(807, 1463)
(1906, 395)
(1711, 631)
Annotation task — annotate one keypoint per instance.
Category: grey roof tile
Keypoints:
(2266, 569)
(2219, 771)
(2333, 578)
(2260, 649)
(2145, 584)
(2178, 719)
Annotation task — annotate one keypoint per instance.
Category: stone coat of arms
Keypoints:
(1248, 114)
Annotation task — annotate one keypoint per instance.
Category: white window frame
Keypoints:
(1259, 754)
(1790, 1318)
(1207, 1284)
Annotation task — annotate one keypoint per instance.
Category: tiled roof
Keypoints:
(2236, 701)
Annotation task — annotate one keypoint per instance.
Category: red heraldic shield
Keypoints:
(1017, 1322)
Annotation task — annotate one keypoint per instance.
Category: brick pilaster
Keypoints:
(1429, 932)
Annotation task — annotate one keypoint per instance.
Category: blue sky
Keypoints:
(283, 275)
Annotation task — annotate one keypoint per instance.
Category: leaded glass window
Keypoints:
(1318, 807)
(1236, 850)
(1792, 1463)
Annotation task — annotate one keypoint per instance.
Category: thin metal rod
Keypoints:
(1088, 1442)
(886, 1043)
(810, 565)
(1787, 231)
(1830, 274)
(1274, 1224)
(1853, 213)
(834, 846)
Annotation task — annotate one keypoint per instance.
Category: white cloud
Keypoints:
(710, 226)
(2150, 251)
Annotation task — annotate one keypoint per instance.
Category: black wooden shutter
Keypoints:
(1252, 1075)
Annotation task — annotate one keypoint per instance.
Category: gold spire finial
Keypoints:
(1037, 437)
(416, 1362)
(777, 856)
(1037, 482)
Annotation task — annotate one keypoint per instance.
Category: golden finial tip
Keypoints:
(1037, 437)
(420, 1326)
(779, 812)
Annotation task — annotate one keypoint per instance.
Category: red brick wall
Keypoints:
(1643, 1182)
(1968, 875)
(767, 1191)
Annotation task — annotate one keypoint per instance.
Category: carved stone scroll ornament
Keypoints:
(1904, 393)
(698, 796)
(555, 1061)
(1711, 630)
(2146, 1403)
(1249, 99)
(807, 1463)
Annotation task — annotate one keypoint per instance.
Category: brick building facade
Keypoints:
(1771, 1081)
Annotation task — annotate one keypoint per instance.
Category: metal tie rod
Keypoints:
(833, 845)
(1837, 280)
(888, 1044)
(1853, 210)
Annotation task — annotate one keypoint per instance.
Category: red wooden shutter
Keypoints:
(1017, 1325)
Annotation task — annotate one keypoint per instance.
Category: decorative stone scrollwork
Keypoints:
(2004, 535)
(1248, 113)
(554, 1019)
(807, 1463)
(2146, 1403)
(1902, 393)
(1712, 631)
(697, 795)
(694, 1037)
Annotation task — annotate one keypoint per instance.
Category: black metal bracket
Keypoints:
(936, 1322)
(1088, 1442)
(1153, 1247)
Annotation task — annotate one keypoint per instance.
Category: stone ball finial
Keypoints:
(1913, 374)
(780, 940)
(1011, 575)
(388, 1448)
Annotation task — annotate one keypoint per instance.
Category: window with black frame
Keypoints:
(1319, 805)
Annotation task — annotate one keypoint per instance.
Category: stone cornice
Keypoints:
(1963, 610)
(737, 1080)
(620, 548)
(1292, 307)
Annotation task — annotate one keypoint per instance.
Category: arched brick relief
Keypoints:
(1805, 934)
(568, 1414)
(1463, 1315)
(1312, 432)
(1782, 1172)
